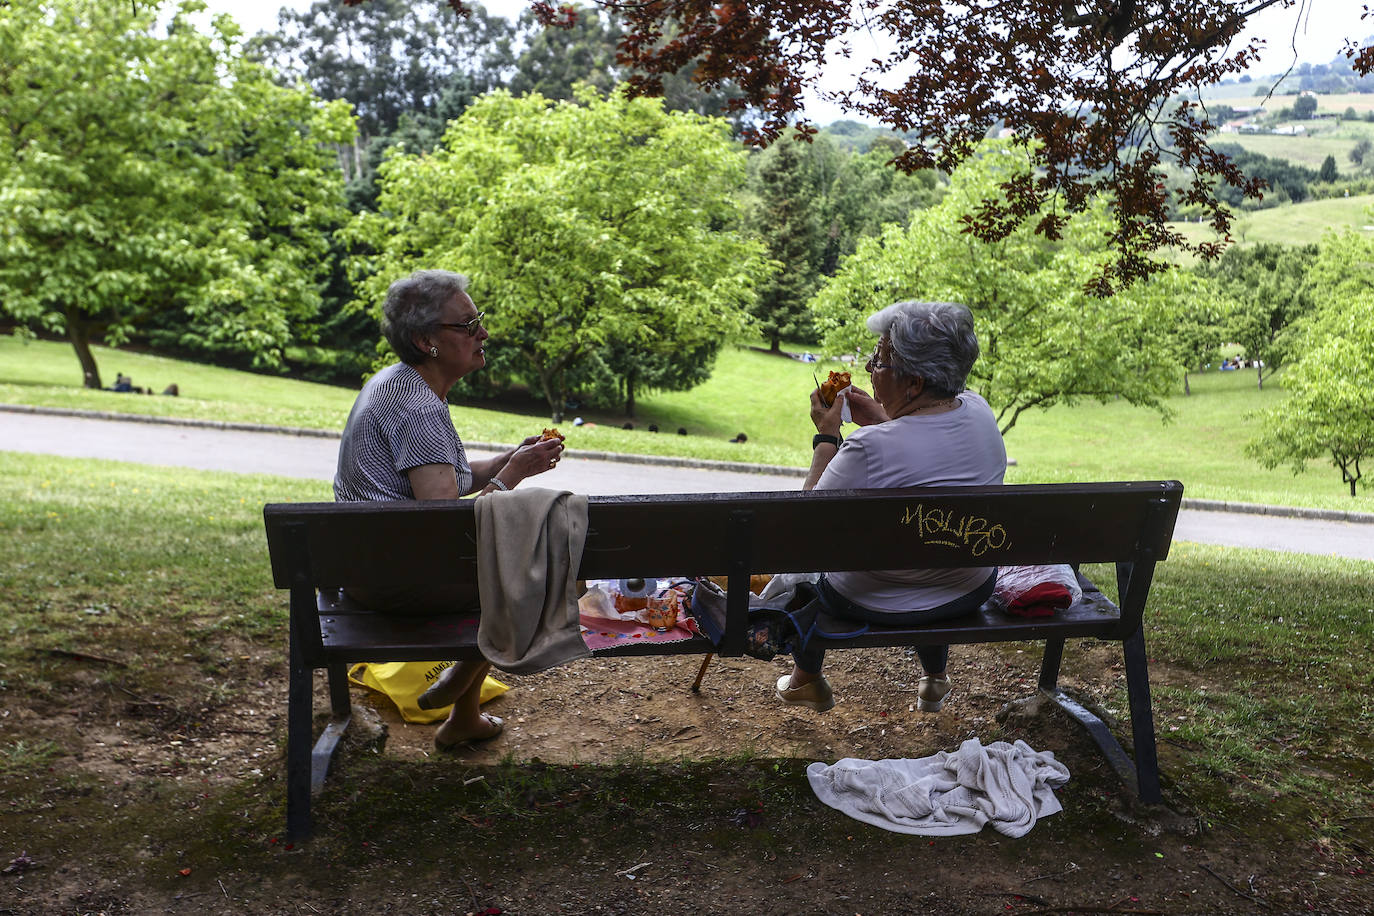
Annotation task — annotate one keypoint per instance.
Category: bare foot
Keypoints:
(448, 737)
(443, 692)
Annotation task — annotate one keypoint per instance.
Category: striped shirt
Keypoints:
(397, 423)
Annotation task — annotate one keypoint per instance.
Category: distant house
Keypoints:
(1289, 130)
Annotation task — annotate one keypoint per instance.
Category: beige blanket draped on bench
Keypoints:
(529, 545)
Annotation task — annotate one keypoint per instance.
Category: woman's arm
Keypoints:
(433, 481)
(827, 420)
(485, 469)
(533, 456)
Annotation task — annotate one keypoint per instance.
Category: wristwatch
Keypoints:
(825, 437)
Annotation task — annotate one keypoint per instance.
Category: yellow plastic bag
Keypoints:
(403, 682)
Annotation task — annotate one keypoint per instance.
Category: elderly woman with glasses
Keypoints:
(400, 443)
(920, 428)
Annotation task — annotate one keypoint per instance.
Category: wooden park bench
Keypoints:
(316, 548)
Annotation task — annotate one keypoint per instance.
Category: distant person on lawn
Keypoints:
(921, 428)
(400, 443)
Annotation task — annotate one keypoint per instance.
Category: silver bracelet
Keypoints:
(499, 484)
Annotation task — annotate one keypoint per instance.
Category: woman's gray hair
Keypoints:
(413, 306)
(934, 341)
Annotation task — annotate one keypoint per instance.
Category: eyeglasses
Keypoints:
(873, 362)
(471, 326)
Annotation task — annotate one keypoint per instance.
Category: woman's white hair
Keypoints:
(934, 341)
(413, 306)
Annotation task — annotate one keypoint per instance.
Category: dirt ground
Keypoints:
(639, 796)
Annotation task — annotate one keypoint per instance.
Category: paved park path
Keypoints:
(313, 457)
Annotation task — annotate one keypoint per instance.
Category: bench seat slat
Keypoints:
(353, 634)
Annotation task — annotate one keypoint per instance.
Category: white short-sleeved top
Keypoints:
(397, 423)
(960, 447)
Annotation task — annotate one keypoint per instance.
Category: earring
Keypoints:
(433, 351)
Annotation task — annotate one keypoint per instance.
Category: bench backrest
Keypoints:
(362, 544)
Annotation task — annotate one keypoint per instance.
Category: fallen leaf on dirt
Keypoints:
(20, 863)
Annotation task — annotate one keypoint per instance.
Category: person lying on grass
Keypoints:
(400, 443)
(920, 428)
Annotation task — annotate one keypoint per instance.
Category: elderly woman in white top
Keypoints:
(400, 443)
(920, 428)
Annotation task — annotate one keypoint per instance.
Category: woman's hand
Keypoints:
(827, 419)
(531, 458)
(863, 410)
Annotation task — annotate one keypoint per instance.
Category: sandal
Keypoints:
(496, 723)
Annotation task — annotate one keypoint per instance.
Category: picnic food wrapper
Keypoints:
(604, 625)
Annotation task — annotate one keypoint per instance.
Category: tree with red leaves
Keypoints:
(1100, 94)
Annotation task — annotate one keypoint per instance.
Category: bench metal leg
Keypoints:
(1140, 776)
(1102, 736)
(1049, 664)
(298, 728)
(341, 707)
(1142, 717)
(340, 702)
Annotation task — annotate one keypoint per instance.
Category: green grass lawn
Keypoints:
(762, 395)
(1306, 150)
(1292, 224)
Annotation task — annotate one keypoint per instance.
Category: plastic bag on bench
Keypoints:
(1035, 591)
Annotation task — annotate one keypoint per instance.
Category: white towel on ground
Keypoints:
(1006, 785)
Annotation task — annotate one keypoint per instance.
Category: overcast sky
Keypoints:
(1317, 33)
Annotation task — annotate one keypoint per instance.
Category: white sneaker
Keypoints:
(816, 695)
(932, 692)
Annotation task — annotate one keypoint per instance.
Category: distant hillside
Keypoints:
(1328, 79)
(1295, 224)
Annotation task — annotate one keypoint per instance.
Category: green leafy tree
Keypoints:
(584, 49)
(810, 203)
(868, 194)
(1287, 182)
(583, 225)
(151, 179)
(406, 68)
(1360, 150)
(553, 61)
(387, 58)
(1045, 341)
(785, 214)
(1196, 337)
(1304, 106)
(1266, 286)
(616, 375)
(1329, 411)
(1328, 170)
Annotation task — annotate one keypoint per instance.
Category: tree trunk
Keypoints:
(630, 394)
(1259, 377)
(79, 333)
(1186, 389)
(554, 399)
(775, 344)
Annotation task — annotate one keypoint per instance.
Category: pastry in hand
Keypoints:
(832, 386)
(552, 433)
